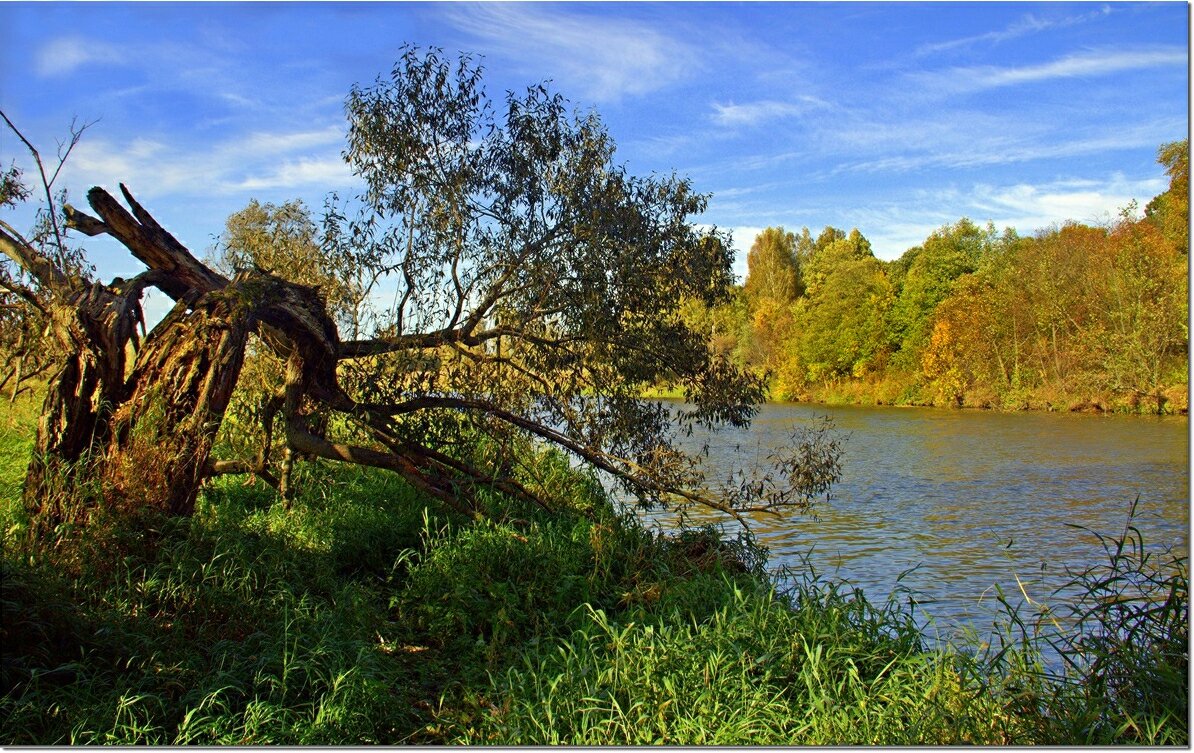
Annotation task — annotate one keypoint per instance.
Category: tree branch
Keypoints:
(32, 261)
(153, 246)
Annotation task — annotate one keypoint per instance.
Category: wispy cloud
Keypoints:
(604, 58)
(292, 160)
(1033, 207)
(1090, 63)
(1025, 26)
(987, 147)
(894, 226)
(328, 172)
(277, 143)
(64, 55)
(754, 113)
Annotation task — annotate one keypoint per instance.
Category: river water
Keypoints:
(971, 499)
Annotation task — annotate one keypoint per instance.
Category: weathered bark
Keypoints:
(179, 388)
(94, 325)
(143, 439)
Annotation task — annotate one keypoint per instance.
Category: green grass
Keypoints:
(16, 443)
(365, 614)
(755, 672)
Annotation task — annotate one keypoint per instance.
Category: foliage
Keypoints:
(26, 354)
(773, 268)
(1074, 317)
(1170, 211)
(284, 240)
(773, 283)
(947, 254)
(844, 317)
(538, 289)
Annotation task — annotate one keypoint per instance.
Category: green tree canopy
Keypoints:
(1171, 209)
(533, 289)
(773, 268)
(842, 322)
(285, 240)
(948, 253)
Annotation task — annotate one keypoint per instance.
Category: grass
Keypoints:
(755, 672)
(366, 615)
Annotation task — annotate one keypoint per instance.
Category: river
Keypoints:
(972, 499)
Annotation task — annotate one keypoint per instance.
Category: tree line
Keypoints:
(1072, 317)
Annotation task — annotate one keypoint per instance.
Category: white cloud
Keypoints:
(331, 172)
(65, 54)
(1091, 63)
(276, 143)
(895, 226)
(1027, 25)
(262, 160)
(1029, 208)
(604, 58)
(754, 113)
(969, 143)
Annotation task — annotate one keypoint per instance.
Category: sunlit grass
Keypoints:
(364, 614)
(16, 442)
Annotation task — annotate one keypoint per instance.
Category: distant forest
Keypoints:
(1071, 318)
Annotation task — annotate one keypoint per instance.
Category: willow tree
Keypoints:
(525, 287)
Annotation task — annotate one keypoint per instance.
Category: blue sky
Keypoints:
(894, 118)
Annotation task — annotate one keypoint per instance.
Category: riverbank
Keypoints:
(894, 392)
(365, 614)
(898, 393)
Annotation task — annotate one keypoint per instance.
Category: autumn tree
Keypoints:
(841, 322)
(1170, 211)
(1146, 342)
(947, 254)
(534, 290)
(773, 283)
(773, 269)
(832, 249)
(965, 343)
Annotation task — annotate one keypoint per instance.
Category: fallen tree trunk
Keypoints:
(143, 438)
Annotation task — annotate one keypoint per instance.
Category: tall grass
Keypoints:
(756, 672)
(365, 614)
(1123, 643)
(247, 624)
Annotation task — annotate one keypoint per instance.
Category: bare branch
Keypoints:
(84, 223)
(48, 182)
(156, 248)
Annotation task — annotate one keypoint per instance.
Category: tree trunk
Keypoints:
(178, 390)
(95, 324)
(143, 439)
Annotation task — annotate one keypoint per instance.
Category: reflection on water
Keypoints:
(975, 499)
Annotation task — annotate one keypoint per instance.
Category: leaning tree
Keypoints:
(515, 284)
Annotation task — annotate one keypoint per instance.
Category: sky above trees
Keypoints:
(893, 118)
